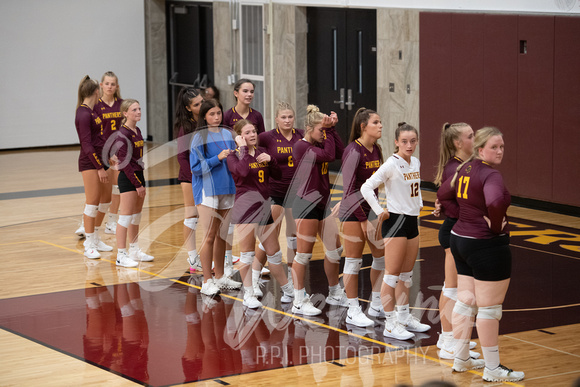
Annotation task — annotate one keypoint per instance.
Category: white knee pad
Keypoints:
(247, 257)
(464, 309)
(407, 278)
(127, 310)
(231, 229)
(91, 210)
(378, 263)
(493, 312)
(450, 293)
(302, 258)
(292, 242)
(136, 219)
(104, 207)
(124, 220)
(191, 223)
(275, 259)
(391, 280)
(334, 255)
(261, 247)
(352, 265)
(115, 190)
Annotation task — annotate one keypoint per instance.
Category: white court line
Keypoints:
(551, 376)
(542, 346)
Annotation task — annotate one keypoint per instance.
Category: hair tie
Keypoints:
(447, 126)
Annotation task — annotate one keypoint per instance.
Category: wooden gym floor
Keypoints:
(61, 321)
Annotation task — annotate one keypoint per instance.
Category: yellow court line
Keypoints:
(543, 251)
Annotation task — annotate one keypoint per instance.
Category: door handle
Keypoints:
(349, 101)
(341, 102)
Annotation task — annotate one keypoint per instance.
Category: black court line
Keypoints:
(72, 190)
(547, 332)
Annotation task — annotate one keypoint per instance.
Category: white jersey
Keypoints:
(402, 182)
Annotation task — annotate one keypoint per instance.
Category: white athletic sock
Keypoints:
(248, 290)
(299, 295)
(287, 288)
(229, 259)
(491, 356)
(390, 315)
(353, 302)
(402, 312)
(256, 276)
(376, 300)
(334, 289)
(111, 218)
(462, 349)
(192, 253)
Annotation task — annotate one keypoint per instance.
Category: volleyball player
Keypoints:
(211, 92)
(251, 168)
(361, 158)
(89, 126)
(186, 116)
(400, 231)
(456, 145)
(109, 109)
(480, 245)
(213, 191)
(279, 143)
(244, 94)
(131, 181)
(320, 146)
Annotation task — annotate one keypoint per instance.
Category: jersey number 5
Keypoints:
(414, 190)
(463, 181)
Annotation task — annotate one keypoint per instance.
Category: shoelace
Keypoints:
(505, 368)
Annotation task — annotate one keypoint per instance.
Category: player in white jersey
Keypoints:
(400, 231)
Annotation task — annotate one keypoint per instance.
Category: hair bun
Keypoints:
(312, 109)
(401, 123)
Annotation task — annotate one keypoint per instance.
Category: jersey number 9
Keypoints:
(261, 176)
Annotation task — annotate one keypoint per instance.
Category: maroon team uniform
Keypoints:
(183, 144)
(89, 128)
(312, 175)
(279, 148)
(111, 116)
(479, 191)
(130, 155)
(252, 204)
(358, 164)
(451, 208)
(254, 116)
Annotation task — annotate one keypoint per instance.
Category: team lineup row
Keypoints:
(249, 179)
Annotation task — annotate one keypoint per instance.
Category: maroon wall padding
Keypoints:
(535, 107)
(435, 86)
(566, 165)
(500, 103)
(467, 42)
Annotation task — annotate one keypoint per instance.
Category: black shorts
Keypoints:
(125, 184)
(303, 209)
(445, 232)
(482, 259)
(261, 215)
(399, 225)
(281, 201)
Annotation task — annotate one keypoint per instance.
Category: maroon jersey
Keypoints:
(358, 164)
(279, 148)
(254, 116)
(479, 191)
(312, 174)
(451, 208)
(129, 145)
(111, 116)
(89, 128)
(251, 179)
(183, 144)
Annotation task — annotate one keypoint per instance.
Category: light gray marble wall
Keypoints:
(156, 70)
(222, 51)
(397, 64)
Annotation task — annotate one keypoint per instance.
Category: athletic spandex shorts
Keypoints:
(399, 225)
(482, 259)
(445, 232)
(125, 185)
(303, 209)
